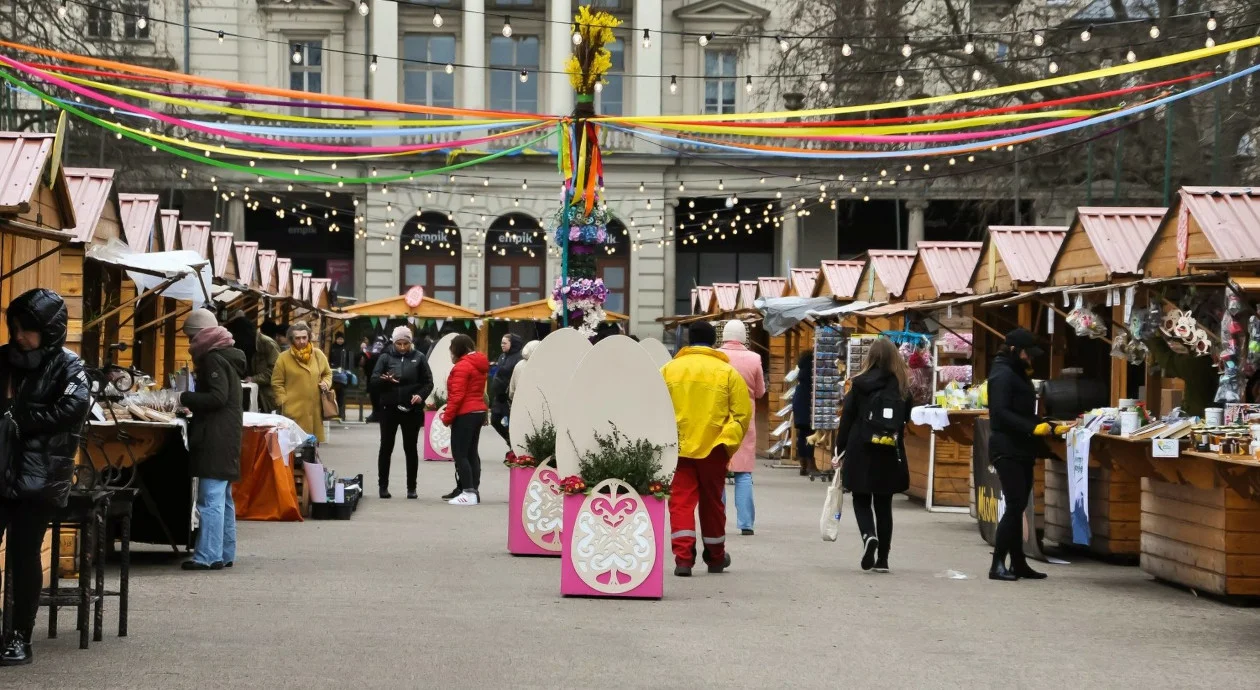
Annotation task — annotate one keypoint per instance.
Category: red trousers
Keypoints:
(701, 482)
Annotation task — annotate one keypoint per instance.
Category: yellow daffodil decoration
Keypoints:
(590, 60)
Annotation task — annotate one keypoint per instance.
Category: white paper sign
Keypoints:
(1165, 448)
(1080, 301)
(1129, 294)
(1050, 319)
(1066, 303)
(1109, 301)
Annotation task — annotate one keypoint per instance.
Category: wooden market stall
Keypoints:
(883, 279)
(139, 214)
(537, 311)
(91, 289)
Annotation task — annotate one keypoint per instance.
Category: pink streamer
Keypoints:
(940, 138)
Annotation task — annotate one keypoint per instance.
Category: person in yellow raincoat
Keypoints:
(301, 373)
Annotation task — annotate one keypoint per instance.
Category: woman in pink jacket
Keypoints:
(748, 364)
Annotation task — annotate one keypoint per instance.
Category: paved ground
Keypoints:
(421, 594)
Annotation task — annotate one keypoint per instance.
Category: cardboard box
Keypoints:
(1168, 399)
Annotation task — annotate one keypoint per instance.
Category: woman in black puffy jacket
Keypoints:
(45, 393)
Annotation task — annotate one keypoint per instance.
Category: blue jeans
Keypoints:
(745, 512)
(216, 537)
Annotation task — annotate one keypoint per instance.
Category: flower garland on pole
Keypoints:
(581, 224)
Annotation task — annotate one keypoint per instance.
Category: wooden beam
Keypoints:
(158, 321)
(156, 289)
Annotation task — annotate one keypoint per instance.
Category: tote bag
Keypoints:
(833, 506)
(328, 400)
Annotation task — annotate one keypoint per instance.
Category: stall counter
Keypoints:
(947, 457)
(1114, 496)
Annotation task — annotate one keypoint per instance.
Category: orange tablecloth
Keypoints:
(266, 490)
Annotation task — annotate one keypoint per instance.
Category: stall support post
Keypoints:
(1119, 367)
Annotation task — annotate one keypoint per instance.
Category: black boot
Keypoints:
(385, 493)
(17, 651)
(1024, 572)
(999, 571)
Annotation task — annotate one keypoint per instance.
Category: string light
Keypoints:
(297, 54)
(63, 10)
(1211, 22)
(1039, 39)
(975, 74)
(905, 48)
(900, 80)
(576, 37)
(704, 40)
(647, 39)
(372, 66)
(1054, 67)
(524, 76)
(1209, 43)
(524, 185)
(437, 18)
(783, 44)
(846, 50)
(1130, 56)
(220, 36)
(970, 47)
(507, 27)
(363, 8)
(450, 69)
(1154, 32)
(823, 85)
(142, 23)
(682, 187)
(1088, 33)
(673, 84)
(748, 84)
(599, 87)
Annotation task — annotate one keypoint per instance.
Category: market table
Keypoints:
(157, 453)
(946, 456)
(1115, 465)
(1201, 522)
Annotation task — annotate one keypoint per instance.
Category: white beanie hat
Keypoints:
(734, 330)
(401, 333)
(198, 320)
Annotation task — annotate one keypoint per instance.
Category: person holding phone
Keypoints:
(403, 381)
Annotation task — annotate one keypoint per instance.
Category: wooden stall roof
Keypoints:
(1206, 225)
(531, 311)
(725, 296)
(803, 282)
(942, 269)
(884, 276)
(139, 214)
(1105, 242)
(221, 254)
(28, 205)
(89, 189)
(284, 277)
(695, 300)
(704, 298)
(195, 235)
(1018, 255)
(246, 255)
(170, 229)
(429, 308)
(839, 279)
(747, 294)
(267, 271)
(319, 292)
(772, 286)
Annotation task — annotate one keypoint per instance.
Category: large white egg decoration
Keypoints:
(544, 382)
(440, 365)
(657, 351)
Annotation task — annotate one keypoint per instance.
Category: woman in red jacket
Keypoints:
(465, 414)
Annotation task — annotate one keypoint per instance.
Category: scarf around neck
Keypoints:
(303, 355)
(209, 340)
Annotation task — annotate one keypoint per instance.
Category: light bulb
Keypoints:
(823, 85)
(524, 76)
(372, 66)
(952, 161)
(1154, 32)
(297, 55)
(524, 185)
(1211, 23)
(721, 185)
(846, 50)
(450, 69)
(220, 37)
(1054, 67)
(975, 75)
(642, 187)
(673, 84)
(970, 47)
(682, 187)
(748, 84)
(1130, 56)
(142, 23)
(908, 168)
(363, 8)
(437, 18)
(1039, 39)
(576, 37)
(900, 80)
(1209, 43)
(647, 39)
(1088, 33)
(783, 44)
(905, 48)
(485, 182)
(507, 27)
(63, 10)
(599, 87)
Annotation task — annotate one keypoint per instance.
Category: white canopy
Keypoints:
(188, 273)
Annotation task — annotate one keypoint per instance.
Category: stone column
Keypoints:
(557, 46)
(914, 236)
(472, 54)
(236, 218)
(789, 243)
(386, 46)
(644, 96)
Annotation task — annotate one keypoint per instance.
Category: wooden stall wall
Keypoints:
(17, 251)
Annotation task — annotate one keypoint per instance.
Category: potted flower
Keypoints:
(437, 437)
(534, 497)
(614, 520)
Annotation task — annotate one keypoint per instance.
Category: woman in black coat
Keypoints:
(500, 403)
(803, 410)
(45, 393)
(1015, 442)
(403, 381)
(872, 430)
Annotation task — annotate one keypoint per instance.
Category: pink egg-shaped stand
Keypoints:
(575, 585)
(519, 541)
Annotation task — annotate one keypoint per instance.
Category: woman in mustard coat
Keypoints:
(301, 373)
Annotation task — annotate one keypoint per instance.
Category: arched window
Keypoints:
(430, 256)
(612, 263)
(516, 261)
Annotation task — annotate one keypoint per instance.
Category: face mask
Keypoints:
(25, 359)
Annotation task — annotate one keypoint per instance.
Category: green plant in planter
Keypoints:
(636, 462)
(438, 401)
(540, 445)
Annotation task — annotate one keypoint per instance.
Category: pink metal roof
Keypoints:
(266, 268)
(195, 235)
(1120, 235)
(319, 289)
(137, 212)
(747, 293)
(246, 261)
(301, 285)
(704, 293)
(1028, 251)
(773, 286)
(695, 300)
(1229, 217)
(727, 295)
(842, 277)
(221, 248)
(89, 190)
(170, 229)
(804, 280)
(283, 276)
(22, 161)
(951, 265)
(892, 267)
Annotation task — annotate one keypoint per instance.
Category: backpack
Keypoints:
(885, 415)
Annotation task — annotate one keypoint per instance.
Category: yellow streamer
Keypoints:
(938, 126)
(1128, 68)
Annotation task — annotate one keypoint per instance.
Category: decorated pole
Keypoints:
(581, 224)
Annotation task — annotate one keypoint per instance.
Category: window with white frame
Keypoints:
(425, 80)
(508, 56)
(307, 72)
(133, 28)
(719, 81)
(612, 99)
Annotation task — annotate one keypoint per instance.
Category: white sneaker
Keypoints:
(467, 498)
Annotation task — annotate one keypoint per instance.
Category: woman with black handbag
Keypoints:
(872, 427)
(403, 381)
(46, 400)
